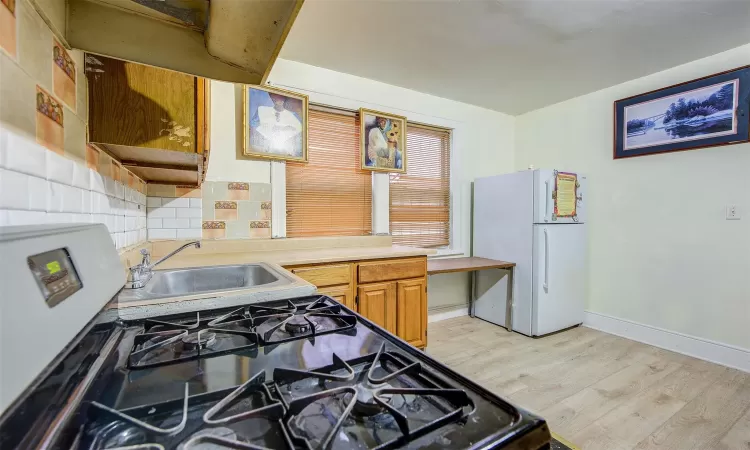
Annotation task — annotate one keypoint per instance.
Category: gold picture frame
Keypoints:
(392, 152)
(270, 142)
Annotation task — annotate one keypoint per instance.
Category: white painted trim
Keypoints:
(278, 199)
(437, 317)
(381, 191)
(716, 352)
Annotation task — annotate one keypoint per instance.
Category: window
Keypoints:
(420, 199)
(330, 195)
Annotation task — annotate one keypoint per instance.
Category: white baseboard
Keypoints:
(437, 317)
(716, 352)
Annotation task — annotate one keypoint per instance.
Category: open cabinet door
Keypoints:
(559, 276)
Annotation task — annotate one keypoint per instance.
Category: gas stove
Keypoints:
(303, 373)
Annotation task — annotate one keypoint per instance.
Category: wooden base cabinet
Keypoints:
(342, 294)
(377, 302)
(411, 307)
(390, 292)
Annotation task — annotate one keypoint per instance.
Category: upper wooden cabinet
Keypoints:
(154, 120)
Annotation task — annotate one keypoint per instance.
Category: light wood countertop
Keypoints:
(291, 257)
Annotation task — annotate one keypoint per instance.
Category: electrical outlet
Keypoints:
(733, 213)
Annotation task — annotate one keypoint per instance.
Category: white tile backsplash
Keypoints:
(162, 234)
(3, 151)
(25, 156)
(176, 223)
(59, 168)
(37, 193)
(9, 217)
(173, 218)
(161, 212)
(96, 182)
(175, 202)
(189, 234)
(81, 177)
(12, 185)
(188, 212)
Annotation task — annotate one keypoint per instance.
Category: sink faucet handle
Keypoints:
(146, 257)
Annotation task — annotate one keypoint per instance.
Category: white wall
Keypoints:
(482, 139)
(661, 252)
(226, 161)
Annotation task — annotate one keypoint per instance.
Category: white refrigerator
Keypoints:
(537, 219)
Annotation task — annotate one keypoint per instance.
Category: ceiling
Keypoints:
(512, 56)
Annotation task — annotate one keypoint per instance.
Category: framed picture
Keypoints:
(706, 112)
(274, 124)
(383, 141)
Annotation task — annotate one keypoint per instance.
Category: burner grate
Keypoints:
(169, 342)
(369, 395)
(277, 325)
(204, 421)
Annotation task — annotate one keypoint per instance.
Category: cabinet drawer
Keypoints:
(370, 272)
(325, 275)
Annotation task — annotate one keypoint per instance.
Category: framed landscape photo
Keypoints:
(383, 141)
(706, 112)
(274, 124)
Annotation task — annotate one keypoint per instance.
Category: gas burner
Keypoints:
(166, 342)
(365, 404)
(298, 325)
(320, 316)
(391, 401)
(198, 340)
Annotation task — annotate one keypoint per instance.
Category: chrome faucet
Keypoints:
(140, 274)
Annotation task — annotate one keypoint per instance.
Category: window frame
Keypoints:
(460, 196)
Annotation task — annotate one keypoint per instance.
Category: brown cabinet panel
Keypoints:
(342, 294)
(377, 302)
(325, 275)
(412, 311)
(397, 269)
(142, 106)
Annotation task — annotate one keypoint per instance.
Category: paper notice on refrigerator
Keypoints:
(565, 194)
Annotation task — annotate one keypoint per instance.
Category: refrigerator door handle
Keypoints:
(546, 261)
(546, 201)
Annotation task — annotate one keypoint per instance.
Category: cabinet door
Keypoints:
(342, 294)
(377, 302)
(142, 106)
(412, 312)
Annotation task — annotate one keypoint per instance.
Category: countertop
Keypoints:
(292, 257)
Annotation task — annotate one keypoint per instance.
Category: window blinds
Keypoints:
(420, 199)
(330, 195)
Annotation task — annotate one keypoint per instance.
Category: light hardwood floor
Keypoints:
(603, 392)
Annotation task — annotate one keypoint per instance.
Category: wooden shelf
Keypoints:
(448, 265)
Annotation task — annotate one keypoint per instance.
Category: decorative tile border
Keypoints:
(214, 229)
(243, 208)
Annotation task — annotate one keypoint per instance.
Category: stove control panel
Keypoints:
(55, 274)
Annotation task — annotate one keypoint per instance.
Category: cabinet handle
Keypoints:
(546, 261)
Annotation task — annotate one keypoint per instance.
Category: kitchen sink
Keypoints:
(208, 280)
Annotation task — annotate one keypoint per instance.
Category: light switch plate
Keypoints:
(733, 212)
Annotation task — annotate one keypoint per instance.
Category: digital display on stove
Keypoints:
(55, 275)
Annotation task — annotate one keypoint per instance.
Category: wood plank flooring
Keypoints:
(603, 392)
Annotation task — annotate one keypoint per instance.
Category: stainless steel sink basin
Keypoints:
(207, 280)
